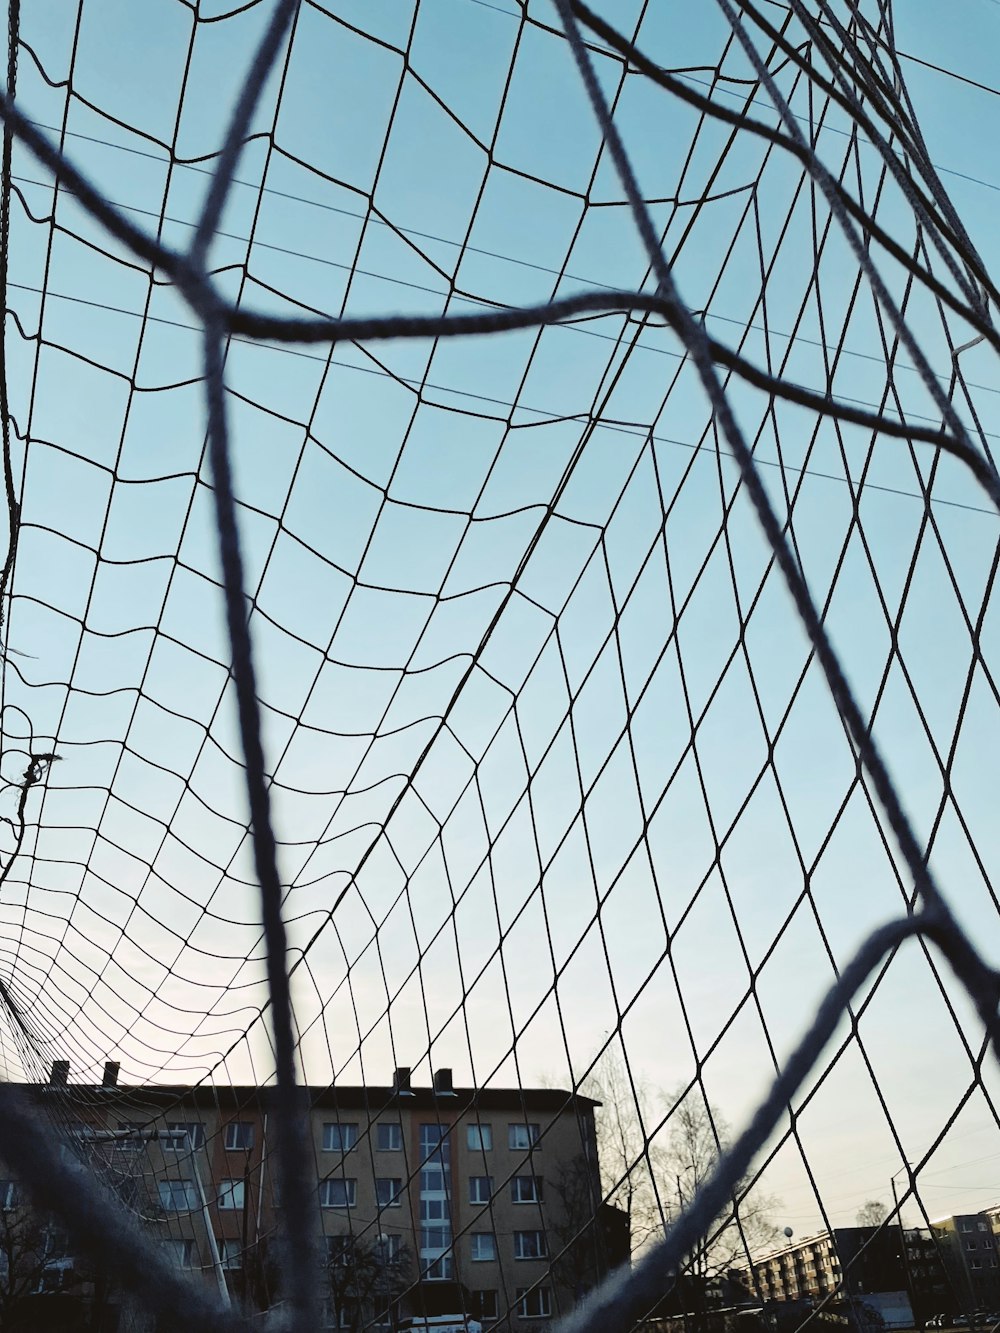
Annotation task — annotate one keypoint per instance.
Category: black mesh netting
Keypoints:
(588, 428)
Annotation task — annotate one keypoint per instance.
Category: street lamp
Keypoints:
(908, 1168)
(692, 1281)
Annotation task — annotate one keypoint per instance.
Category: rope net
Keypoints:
(501, 534)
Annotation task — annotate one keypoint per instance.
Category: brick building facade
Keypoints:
(430, 1200)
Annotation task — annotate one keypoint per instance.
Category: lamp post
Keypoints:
(908, 1168)
(680, 1277)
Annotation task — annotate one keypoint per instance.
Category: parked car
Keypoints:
(441, 1323)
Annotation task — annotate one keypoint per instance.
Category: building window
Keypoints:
(334, 1317)
(232, 1194)
(390, 1249)
(339, 1250)
(387, 1191)
(479, 1138)
(339, 1138)
(530, 1245)
(8, 1194)
(389, 1136)
(522, 1137)
(484, 1246)
(129, 1136)
(983, 1226)
(433, 1139)
(966, 1225)
(184, 1138)
(239, 1136)
(480, 1189)
(526, 1189)
(435, 1217)
(534, 1304)
(181, 1253)
(177, 1196)
(487, 1304)
(972, 1244)
(975, 1263)
(338, 1193)
(231, 1254)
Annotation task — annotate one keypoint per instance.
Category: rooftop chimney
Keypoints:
(59, 1074)
(401, 1082)
(442, 1083)
(111, 1068)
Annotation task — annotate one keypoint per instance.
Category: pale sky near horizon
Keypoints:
(388, 495)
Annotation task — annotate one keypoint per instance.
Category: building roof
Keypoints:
(372, 1099)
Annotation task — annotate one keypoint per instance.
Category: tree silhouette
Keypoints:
(872, 1213)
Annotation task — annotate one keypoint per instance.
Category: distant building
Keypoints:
(850, 1260)
(428, 1200)
(930, 1285)
(905, 1275)
(967, 1245)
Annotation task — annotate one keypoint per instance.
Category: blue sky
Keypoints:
(389, 495)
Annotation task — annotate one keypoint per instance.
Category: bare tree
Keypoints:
(630, 1165)
(587, 1235)
(31, 1268)
(365, 1281)
(697, 1135)
(872, 1213)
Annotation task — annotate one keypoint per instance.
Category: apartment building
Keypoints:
(428, 1199)
(968, 1246)
(847, 1261)
(930, 1285)
(951, 1267)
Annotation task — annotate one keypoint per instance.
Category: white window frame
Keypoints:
(538, 1236)
(330, 1315)
(189, 1137)
(390, 1248)
(475, 1193)
(395, 1199)
(339, 1250)
(485, 1240)
(494, 1312)
(182, 1252)
(232, 1195)
(479, 1137)
(350, 1187)
(393, 1130)
(170, 1192)
(542, 1296)
(230, 1254)
(340, 1136)
(523, 1137)
(536, 1191)
(237, 1130)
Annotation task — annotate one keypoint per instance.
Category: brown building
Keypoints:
(428, 1200)
(967, 1245)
